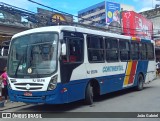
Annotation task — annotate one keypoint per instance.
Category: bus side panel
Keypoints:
(112, 83)
(114, 79)
(76, 90)
(76, 82)
(151, 71)
(141, 68)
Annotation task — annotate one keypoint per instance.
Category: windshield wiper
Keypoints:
(37, 74)
(18, 65)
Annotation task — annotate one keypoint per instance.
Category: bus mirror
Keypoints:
(64, 49)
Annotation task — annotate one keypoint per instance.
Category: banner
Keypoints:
(112, 12)
(135, 24)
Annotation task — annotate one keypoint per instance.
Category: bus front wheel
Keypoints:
(140, 83)
(89, 94)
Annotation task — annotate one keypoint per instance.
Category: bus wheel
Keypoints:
(89, 95)
(140, 83)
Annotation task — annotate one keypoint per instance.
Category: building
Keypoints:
(14, 20)
(48, 17)
(154, 16)
(134, 24)
(102, 13)
(93, 14)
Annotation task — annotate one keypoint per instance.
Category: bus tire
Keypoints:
(89, 94)
(140, 83)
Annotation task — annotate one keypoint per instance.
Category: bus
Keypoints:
(63, 64)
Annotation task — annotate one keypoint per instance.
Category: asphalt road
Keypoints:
(147, 100)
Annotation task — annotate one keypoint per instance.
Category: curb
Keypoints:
(4, 108)
(1, 104)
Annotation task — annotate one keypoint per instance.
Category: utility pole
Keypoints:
(152, 3)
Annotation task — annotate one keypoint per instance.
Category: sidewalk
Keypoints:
(12, 105)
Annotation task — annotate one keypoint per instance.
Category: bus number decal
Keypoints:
(38, 80)
(92, 72)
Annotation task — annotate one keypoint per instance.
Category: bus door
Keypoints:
(151, 70)
(71, 67)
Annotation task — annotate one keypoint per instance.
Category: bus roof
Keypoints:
(70, 28)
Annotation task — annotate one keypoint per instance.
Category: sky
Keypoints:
(73, 6)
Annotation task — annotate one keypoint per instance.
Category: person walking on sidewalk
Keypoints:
(3, 77)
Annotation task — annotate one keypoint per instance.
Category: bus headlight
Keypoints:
(53, 83)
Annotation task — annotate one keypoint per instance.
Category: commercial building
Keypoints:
(14, 20)
(154, 16)
(102, 13)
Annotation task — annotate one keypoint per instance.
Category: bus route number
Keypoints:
(92, 72)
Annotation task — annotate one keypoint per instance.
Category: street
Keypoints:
(128, 100)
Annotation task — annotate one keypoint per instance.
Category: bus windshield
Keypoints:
(33, 55)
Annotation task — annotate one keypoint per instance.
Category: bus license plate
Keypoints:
(27, 94)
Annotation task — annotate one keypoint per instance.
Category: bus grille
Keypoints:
(28, 86)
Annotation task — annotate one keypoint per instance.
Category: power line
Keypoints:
(112, 27)
(59, 11)
(87, 19)
(50, 7)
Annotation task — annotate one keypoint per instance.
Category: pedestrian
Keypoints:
(3, 78)
(1, 91)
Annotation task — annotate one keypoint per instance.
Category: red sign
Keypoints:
(27, 93)
(135, 24)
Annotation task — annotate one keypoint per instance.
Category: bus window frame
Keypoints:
(141, 51)
(99, 49)
(150, 51)
(118, 50)
(131, 55)
(67, 47)
(129, 50)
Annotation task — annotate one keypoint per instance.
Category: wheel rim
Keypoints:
(91, 93)
(140, 83)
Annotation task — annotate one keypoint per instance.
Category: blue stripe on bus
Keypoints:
(146, 41)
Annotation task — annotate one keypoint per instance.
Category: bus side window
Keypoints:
(74, 51)
(111, 49)
(143, 51)
(150, 51)
(124, 50)
(95, 45)
(134, 50)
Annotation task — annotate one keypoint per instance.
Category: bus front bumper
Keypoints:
(46, 97)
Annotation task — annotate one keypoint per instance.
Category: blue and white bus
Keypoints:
(62, 64)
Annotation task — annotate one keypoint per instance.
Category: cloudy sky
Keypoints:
(73, 6)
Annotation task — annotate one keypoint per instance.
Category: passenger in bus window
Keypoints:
(72, 56)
